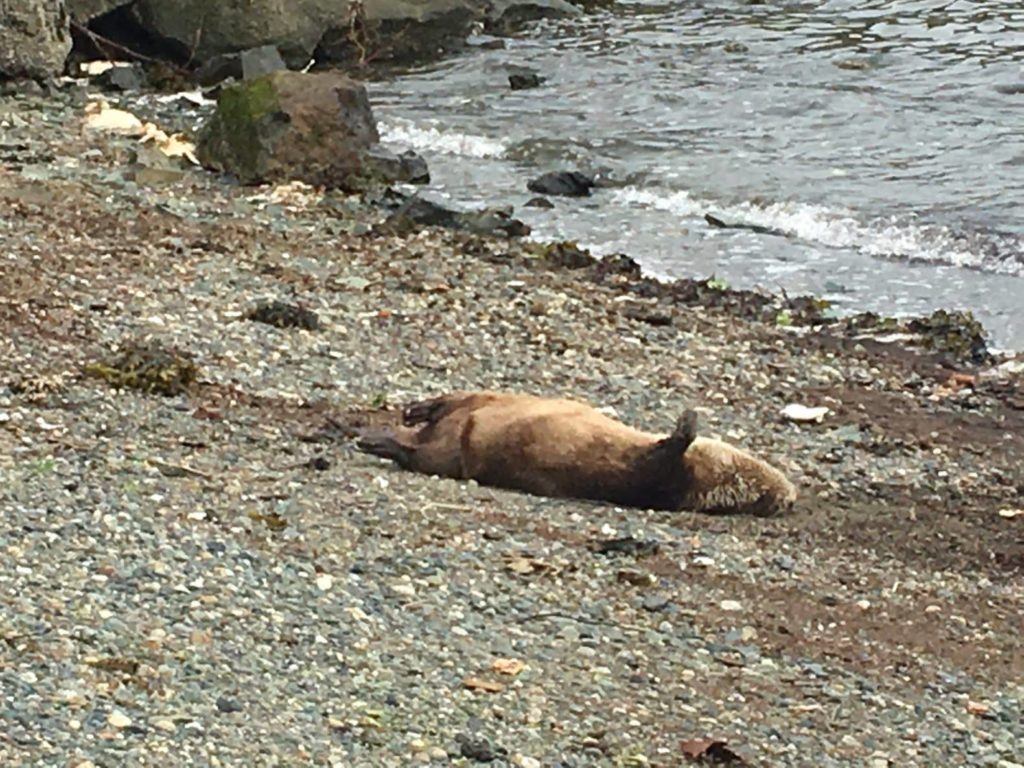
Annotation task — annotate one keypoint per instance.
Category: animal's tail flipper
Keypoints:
(684, 433)
(436, 408)
(386, 444)
(425, 411)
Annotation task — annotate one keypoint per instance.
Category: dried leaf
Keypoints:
(508, 666)
(710, 751)
(479, 684)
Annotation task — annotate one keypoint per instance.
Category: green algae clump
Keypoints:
(148, 367)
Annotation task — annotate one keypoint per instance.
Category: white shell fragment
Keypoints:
(804, 413)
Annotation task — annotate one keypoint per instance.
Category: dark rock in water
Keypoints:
(386, 165)
(281, 314)
(565, 183)
(292, 126)
(257, 62)
(122, 77)
(539, 202)
(520, 81)
(718, 223)
(1010, 89)
(34, 38)
(417, 213)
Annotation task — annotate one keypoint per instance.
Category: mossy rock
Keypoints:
(148, 367)
(285, 126)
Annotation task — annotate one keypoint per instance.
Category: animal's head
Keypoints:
(727, 479)
(724, 478)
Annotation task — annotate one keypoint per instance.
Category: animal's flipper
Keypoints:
(425, 411)
(386, 444)
(684, 433)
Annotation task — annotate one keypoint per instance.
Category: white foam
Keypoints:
(837, 228)
(429, 138)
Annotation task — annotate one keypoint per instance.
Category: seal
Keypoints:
(568, 449)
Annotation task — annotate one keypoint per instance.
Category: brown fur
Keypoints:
(564, 448)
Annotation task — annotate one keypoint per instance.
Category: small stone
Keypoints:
(522, 761)
(119, 719)
(519, 81)
(784, 562)
(655, 603)
(730, 605)
(324, 582)
(568, 183)
(539, 202)
(404, 588)
(164, 724)
(479, 749)
(863, 604)
(228, 704)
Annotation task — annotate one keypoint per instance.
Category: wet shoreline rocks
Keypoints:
(39, 39)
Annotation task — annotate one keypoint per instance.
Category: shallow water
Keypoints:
(884, 139)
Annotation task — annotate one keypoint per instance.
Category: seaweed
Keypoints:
(149, 367)
(281, 314)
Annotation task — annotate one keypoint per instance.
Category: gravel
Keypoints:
(217, 578)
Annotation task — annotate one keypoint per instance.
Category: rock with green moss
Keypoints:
(315, 127)
(147, 366)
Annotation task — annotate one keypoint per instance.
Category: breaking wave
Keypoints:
(892, 238)
(428, 138)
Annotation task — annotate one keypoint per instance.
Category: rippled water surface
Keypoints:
(884, 140)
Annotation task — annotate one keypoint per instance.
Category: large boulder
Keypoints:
(84, 11)
(317, 128)
(206, 29)
(332, 31)
(375, 31)
(508, 16)
(34, 38)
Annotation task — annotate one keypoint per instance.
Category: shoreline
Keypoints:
(182, 576)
